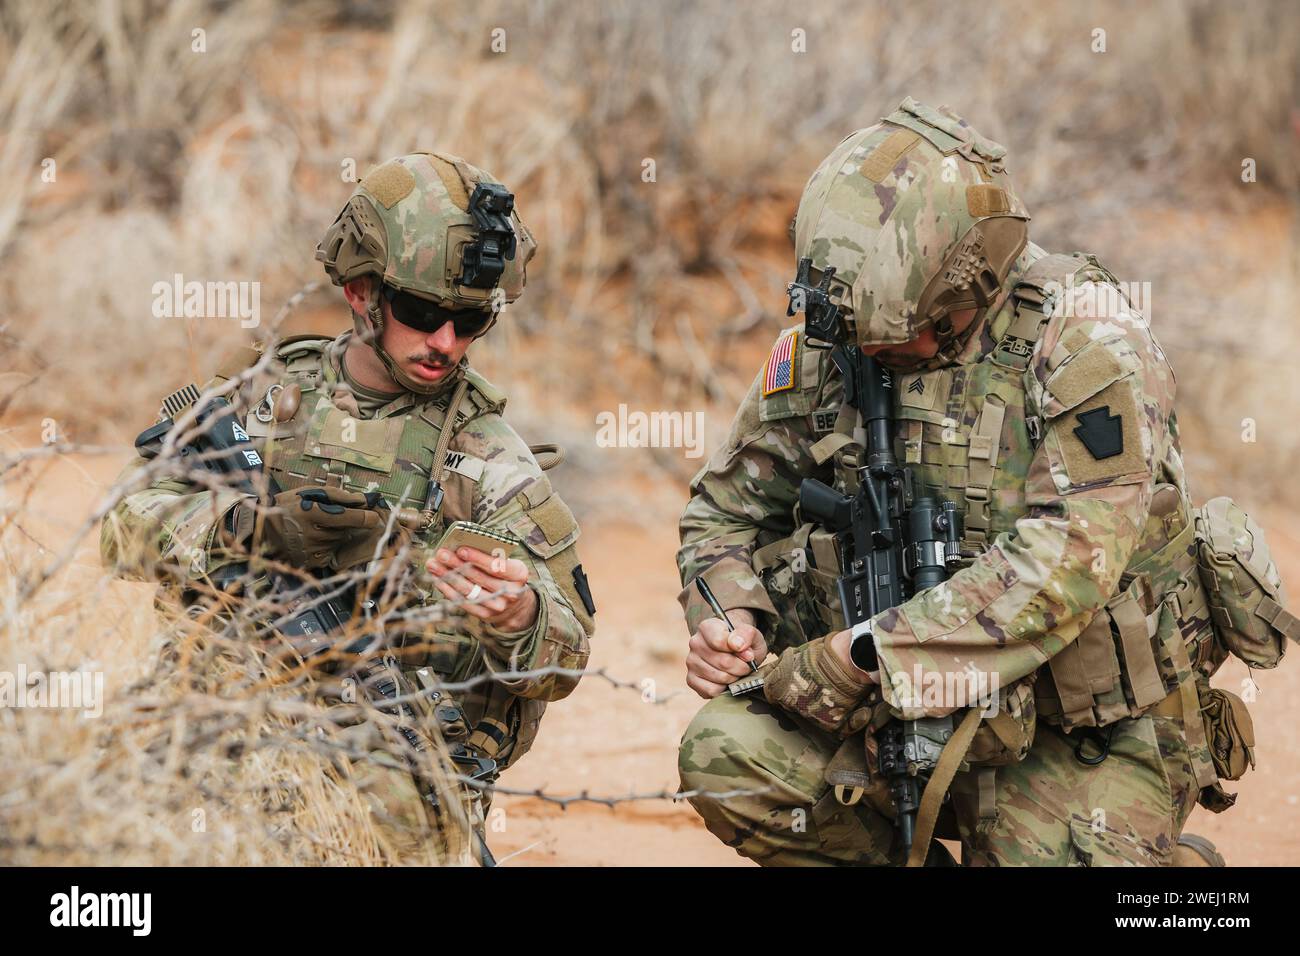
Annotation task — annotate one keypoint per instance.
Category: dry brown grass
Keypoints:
(226, 165)
(204, 749)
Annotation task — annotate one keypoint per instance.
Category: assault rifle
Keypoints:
(317, 614)
(892, 542)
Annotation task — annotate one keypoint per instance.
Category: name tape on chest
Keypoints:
(824, 419)
(465, 465)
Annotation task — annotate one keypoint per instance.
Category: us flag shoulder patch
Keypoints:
(778, 374)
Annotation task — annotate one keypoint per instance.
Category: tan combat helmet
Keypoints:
(432, 225)
(904, 223)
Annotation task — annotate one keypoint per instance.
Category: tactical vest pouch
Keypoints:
(1148, 638)
(1229, 732)
(1005, 738)
(503, 726)
(799, 574)
(822, 580)
(1111, 670)
(368, 444)
(1243, 587)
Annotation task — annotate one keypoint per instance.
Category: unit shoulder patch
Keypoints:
(1101, 439)
(1101, 432)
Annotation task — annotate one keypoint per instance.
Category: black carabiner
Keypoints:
(1094, 735)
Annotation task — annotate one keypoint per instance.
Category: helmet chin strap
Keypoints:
(951, 343)
(373, 332)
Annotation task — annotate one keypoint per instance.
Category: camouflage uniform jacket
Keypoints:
(1061, 523)
(169, 528)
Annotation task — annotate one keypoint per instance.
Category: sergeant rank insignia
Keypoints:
(779, 374)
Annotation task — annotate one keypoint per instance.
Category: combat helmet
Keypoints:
(904, 223)
(434, 226)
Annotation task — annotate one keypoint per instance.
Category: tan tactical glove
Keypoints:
(809, 680)
(315, 528)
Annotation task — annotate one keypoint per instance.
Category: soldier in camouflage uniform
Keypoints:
(428, 250)
(1034, 396)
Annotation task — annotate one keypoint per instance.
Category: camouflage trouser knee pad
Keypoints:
(786, 814)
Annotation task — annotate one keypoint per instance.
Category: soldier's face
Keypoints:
(425, 356)
(924, 346)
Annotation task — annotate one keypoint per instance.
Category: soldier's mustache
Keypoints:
(435, 358)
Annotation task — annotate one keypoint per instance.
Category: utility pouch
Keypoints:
(1242, 584)
(1229, 732)
(1006, 736)
(799, 575)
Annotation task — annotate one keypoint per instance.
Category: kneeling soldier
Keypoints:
(379, 441)
(1072, 579)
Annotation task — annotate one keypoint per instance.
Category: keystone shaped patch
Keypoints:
(1101, 432)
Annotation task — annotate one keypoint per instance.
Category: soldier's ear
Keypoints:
(357, 292)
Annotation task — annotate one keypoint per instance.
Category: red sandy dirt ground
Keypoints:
(611, 741)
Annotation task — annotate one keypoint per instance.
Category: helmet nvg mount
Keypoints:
(431, 225)
(903, 224)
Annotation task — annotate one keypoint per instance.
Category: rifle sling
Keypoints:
(927, 815)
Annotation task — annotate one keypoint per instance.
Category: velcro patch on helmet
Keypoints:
(389, 184)
(457, 190)
(985, 199)
(881, 160)
(943, 132)
(947, 131)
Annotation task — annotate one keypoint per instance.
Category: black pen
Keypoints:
(707, 593)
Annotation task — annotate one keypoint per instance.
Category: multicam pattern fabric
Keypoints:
(886, 206)
(414, 223)
(170, 527)
(414, 219)
(1052, 810)
(1062, 526)
(811, 681)
(1060, 534)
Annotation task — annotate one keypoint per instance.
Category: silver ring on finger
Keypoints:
(474, 592)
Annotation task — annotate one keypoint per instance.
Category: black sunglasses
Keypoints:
(424, 316)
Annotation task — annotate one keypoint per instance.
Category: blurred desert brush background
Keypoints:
(657, 150)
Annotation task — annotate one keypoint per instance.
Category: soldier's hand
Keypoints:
(489, 586)
(314, 527)
(717, 656)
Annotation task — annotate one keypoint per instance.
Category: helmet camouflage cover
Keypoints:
(432, 225)
(918, 219)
